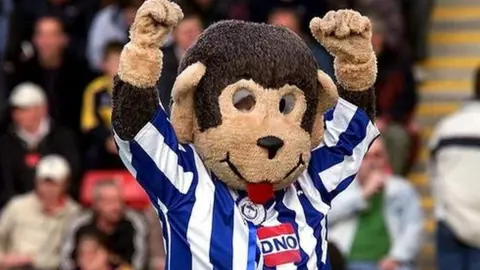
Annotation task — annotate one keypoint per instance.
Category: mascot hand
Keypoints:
(347, 35)
(153, 22)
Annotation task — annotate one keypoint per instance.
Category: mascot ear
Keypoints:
(183, 114)
(327, 98)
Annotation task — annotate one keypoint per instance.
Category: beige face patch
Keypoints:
(249, 113)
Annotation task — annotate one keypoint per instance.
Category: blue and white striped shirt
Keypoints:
(203, 225)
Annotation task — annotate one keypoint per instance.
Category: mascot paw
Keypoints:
(153, 21)
(346, 34)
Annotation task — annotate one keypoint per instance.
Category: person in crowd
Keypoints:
(75, 15)
(93, 253)
(388, 11)
(336, 257)
(454, 170)
(289, 18)
(3, 103)
(155, 239)
(6, 8)
(32, 135)
(96, 114)
(62, 75)
(305, 9)
(126, 230)
(209, 11)
(377, 222)
(184, 35)
(110, 24)
(32, 225)
(396, 90)
(417, 17)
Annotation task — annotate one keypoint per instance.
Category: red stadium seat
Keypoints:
(133, 194)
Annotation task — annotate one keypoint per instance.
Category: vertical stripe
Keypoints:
(303, 230)
(342, 115)
(346, 170)
(240, 246)
(252, 246)
(324, 239)
(167, 160)
(315, 211)
(167, 234)
(157, 186)
(221, 245)
(125, 154)
(272, 220)
(161, 122)
(328, 115)
(152, 179)
(259, 256)
(200, 224)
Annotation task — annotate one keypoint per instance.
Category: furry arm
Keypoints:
(347, 35)
(135, 98)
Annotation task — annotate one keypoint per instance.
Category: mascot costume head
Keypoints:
(249, 100)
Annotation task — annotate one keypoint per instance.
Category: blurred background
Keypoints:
(67, 202)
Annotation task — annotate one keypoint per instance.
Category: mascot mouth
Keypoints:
(235, 170)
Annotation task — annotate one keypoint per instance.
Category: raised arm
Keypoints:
(346, 34)
(135, 98)
(349, 128)
(144, 135)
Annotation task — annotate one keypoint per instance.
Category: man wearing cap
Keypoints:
(32, 225)
(30, 136)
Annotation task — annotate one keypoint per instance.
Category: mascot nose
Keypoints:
(271, 143)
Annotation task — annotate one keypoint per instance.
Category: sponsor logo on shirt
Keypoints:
(279, 245)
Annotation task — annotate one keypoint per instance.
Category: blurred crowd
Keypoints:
(57, 61)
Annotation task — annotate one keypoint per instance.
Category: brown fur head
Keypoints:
(250, 98)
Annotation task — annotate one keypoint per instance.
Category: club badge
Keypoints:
(251, 212)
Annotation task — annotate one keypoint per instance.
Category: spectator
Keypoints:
(388, 11)
(126, 230)
(209, 11)
(110, 24)
(454, 170)
(6, 7)
(306, 10)
(417, 15)
(31, 225)
(62, 75)
(289, 18)
(3, 103)
(96, 114)
(377, 222)
(336, 257)
(75, 15)
(93, 253)
(396, 92)
(155, 239)
(31, 136)
(184, 35)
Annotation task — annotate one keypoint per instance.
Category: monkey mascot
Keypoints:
(259, 142)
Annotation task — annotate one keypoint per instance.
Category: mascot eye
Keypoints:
(243, 100)
(286, 104)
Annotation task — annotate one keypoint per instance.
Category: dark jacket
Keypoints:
(169, 74)
(396, 88)
(64, 86)
(96, 126)
(76, 16)
(17, 163)
(128, 242)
